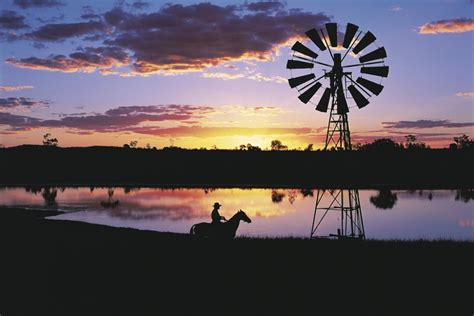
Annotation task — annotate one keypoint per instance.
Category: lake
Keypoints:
(387, 214)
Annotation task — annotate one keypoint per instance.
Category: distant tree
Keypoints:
(309, 147)
(382, 145)
(148, 146)
(250, 147)
(133, 144)
(214, 147)
(126, 146)
(278, 145)
(412, 144)
(48, 140)
(463, 142)
(242, 147)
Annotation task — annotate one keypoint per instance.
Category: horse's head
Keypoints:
(244, 217)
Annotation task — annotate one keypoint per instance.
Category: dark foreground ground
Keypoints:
(59, 266)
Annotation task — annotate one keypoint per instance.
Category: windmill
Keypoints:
(311, 73)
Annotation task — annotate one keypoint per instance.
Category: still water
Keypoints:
(395, 214)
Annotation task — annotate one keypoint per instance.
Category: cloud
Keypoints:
(61, 31)
(123, 118)
(86, 60)
(140, 5)
(21, 102)
(465, 94)
(458, 25)
(396, 8)
(265, 6)
(256, 77)
(259, 77)
(26, 4)
(12, 21)
(222, 75)
(426, 124)
(14, 88)
(183, 38)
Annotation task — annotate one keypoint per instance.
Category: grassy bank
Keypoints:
(60, 265)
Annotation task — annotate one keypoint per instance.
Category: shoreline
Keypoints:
(93, 267)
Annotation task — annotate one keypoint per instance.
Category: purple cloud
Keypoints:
(182, 38)
(12, 21)
(61, 31)
(26, 4)
(21, 102)
(113, 120)
(425, 124)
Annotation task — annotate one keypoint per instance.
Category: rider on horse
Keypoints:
(216, 217)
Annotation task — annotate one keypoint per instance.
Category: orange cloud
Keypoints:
(465, 94)
(458, 25)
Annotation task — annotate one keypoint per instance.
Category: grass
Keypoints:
(70, 266)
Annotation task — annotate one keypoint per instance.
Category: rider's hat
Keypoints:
(217, 204)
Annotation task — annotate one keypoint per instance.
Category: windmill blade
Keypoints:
(296, 64)
(341, 102)
(314, 36)
(379, 53)
(300, 48)
(351, 30)
(324, 102)
(381, 71)
(373, 87)
(331, 28)
(300, 80)
(359, 99)
(368, 39)
(308, 94)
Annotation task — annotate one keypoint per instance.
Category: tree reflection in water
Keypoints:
(464, 195)
(385, 199)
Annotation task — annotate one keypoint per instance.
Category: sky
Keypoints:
(213, 74)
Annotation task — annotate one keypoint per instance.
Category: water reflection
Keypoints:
(110, 201)
(384, 200)
(464, 195)
(275, 212)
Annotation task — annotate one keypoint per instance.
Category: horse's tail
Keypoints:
(191, 231)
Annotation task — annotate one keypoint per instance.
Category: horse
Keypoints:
(224, 230)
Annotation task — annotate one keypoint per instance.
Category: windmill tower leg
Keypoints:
(344, 201)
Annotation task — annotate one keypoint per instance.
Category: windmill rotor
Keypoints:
(311, 73)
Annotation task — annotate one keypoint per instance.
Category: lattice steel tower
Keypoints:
(345, 202)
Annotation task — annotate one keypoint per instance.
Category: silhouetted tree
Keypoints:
(463, 142)
(126, 146)
(148, 146)
(250, 147)
(412, 144)
(133, 144)
(277, 145)
(309, 147)
(242, 147)
(385, 199)
(48, 140)
(382, 145)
